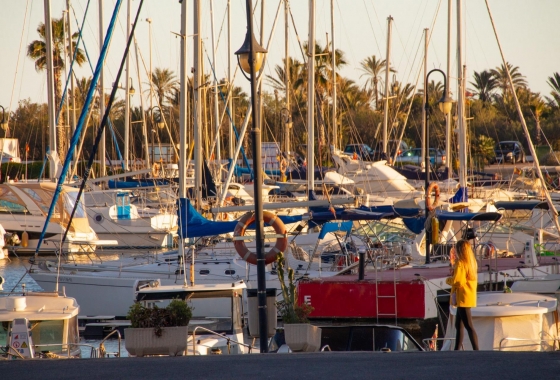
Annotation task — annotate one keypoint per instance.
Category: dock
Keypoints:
(324, 365)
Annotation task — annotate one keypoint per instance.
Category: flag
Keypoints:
(433, 341)
(516, 171)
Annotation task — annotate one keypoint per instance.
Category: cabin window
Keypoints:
(7, 207)
(4, 328)
(204, 272)
(230, 272)
(47, 335)
(123, 206)
(40, 198)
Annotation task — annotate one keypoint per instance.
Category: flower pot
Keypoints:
(302, 337)
(141, 342)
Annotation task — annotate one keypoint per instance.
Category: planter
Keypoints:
(302, 337)
(141, 342)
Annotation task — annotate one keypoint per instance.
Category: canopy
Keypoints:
(335, 226)
(197, 225)
(521, 205)
(469, 216)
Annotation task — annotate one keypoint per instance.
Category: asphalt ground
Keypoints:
(336, 365)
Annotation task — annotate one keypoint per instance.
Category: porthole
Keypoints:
(204, 272)
(230, 272)
(98, 218)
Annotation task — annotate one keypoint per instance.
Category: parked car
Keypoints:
(363, 151)
(392, 147)
(509, 151)
(413, 156)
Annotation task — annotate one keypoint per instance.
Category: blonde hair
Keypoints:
(465, 255)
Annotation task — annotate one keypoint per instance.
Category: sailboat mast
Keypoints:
(448, 93)
(462, 137)
(183, 130)
(287, 124)
(197, 100)
(231, 139)
(142, 109)
(216, 111)
(71, 54)
(127, 95)
(102, 147)
(386, 97)
(334, 84)
(50, 86)
(423, 150)
(311, 99)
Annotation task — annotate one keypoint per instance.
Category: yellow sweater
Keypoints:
(464, 289)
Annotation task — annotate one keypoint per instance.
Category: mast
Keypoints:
(142, 110)
(386, 98)
(101, 97)
(71, 54)
(287, 124)
(462, 137)
(50, 87)
(216, 111)
(311, 99)
(423, 151)
(334, 126)
(127, 95)
(231, 140)
(448, 93)
(183, 130)
(197, 100)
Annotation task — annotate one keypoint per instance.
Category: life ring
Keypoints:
(355, 156)
(155, 170)
(272, 220)
(435, 188)
(283, 165)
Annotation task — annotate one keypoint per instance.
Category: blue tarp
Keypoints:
(461, 195)
(469, 216)
(335, 226)
(197, 225)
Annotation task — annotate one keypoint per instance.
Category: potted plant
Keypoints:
(158, 331)
(300, 335)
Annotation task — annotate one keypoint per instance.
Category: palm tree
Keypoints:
(484, 84)
(538, 107)
(164, 83)
(554, 83)
(373, 68)
(37, 50)
(500, 74)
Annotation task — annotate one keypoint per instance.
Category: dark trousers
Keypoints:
(463, 318)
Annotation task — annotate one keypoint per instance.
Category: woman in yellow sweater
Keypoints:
(463, 291)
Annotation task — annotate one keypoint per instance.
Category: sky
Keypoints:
(527, 31)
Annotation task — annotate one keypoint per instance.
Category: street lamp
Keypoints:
(445, 104)
(250, 57)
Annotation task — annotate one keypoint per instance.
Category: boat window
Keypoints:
(47, 335)
(73, 332)
(70, 201)
(230, 271)
(212, 313)
(7, 207)
(204, 272)
(42, 199)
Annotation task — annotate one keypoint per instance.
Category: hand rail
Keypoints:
(427, 344)
(229, 340)
(67, 345)
(102, 346)
(326, 347)
(537, 341)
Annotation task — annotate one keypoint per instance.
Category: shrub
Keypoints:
(177, 313)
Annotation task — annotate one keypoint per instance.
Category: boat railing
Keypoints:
(229, 340)
(535, 342)
(325, 348)
(64, 348)
(102, 352)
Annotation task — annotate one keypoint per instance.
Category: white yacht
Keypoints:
(23, 209)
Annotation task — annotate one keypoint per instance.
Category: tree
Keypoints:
(500, 74)
(484, 84)
(37, 50)
(165, 84)
(373, 68)
(554, 83)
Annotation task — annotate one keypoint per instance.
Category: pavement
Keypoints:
(326, 365)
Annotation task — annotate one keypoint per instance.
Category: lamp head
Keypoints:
(131, 90)
(445, 104)
(245, 50)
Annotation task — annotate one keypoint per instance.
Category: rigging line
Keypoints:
(297, 34)
(371, 25)
(19, 56)
(105, 116)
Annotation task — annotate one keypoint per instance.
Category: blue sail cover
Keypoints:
(335, 226)
(197, 225)
(461, 195)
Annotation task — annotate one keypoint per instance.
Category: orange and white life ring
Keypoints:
(155, 170)
(272, 220)
(433, 187)
(283, 165)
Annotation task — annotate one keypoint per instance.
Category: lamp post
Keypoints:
(4, 123)
(250, 57)
(445, 104)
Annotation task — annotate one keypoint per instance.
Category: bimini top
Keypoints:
(521, 205)
(155, 291)
(469, 216)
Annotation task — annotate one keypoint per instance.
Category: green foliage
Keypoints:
(552, 159)
(289, 308)
(484, 148)
(177, 313)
